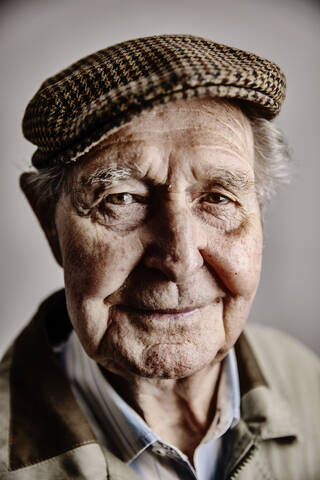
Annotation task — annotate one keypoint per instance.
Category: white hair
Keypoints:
(271, 165)
(272, 159)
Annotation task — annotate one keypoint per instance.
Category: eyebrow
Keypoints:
(109, 175)
(235, 180)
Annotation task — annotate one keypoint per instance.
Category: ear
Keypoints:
(45, 213)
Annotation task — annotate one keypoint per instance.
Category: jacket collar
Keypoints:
(265, 414)
(41, 396)
(40, 393)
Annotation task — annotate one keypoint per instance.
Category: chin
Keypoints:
(170, 361)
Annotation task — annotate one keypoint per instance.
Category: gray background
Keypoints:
(38, 38)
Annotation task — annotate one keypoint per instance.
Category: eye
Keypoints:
(216, 198)
(120, 198)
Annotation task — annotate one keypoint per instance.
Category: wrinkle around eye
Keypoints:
(85, 200)
(226, 217)
(127, 216)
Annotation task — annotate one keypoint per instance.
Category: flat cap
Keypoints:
(73, 110)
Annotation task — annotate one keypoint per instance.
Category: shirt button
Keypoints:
(157, 449)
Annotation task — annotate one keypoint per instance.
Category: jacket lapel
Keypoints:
(41, 395)
(265, 415)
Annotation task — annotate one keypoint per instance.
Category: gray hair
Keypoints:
(271, 165)
(272, 159)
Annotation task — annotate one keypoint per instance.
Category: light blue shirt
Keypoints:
(117, 426)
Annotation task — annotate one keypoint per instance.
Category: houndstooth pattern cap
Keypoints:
(73, 110)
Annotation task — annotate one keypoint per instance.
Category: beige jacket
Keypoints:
(44, 435)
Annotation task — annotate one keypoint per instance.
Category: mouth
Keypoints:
(161, 314)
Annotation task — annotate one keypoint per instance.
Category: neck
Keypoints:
(179, 411)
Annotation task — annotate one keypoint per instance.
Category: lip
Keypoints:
(162, 313)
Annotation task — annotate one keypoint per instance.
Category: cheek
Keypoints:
(96, 263)
(237, 262)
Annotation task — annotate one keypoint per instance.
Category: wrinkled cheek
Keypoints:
(97, 262)
(122, 345)
(89, 268)
(92, 271)
(90, 320)
(236, 311)
(245, 274)
(237, 264)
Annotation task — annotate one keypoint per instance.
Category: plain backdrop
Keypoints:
(39, 37)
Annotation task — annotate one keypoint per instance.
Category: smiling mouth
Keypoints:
(163, 312)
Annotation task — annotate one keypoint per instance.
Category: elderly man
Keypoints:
(154, 160)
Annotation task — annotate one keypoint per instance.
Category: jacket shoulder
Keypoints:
(275, 348)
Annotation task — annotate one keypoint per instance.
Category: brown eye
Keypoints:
(215, 197)
(120, 198)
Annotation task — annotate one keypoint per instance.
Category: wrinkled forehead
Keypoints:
(196, 115)
(191, 123)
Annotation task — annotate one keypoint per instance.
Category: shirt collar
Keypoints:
(117, 420)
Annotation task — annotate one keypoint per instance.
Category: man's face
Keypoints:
(161, 240)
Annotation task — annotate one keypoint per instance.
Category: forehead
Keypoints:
(203, 113)
(192, 128)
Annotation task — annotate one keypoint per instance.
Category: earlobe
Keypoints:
(44, 210)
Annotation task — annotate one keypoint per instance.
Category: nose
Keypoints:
(177, 241)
